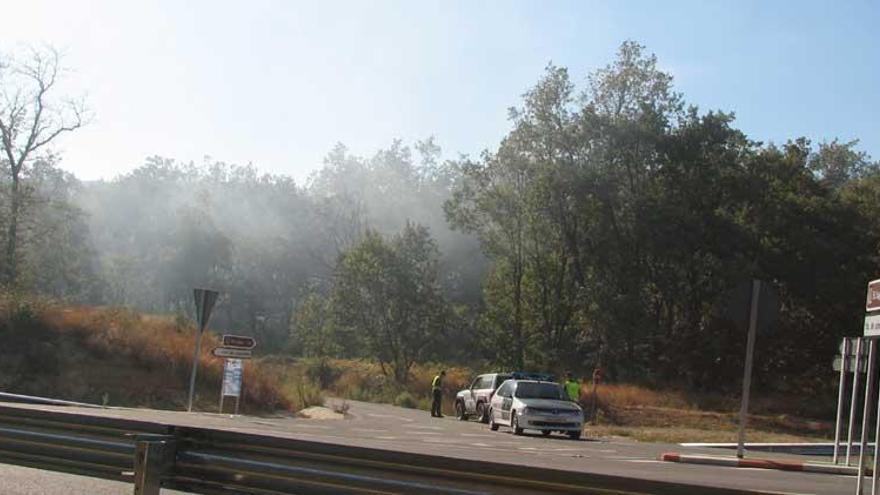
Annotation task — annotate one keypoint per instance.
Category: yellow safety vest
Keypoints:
(573, 389)
(437, 383)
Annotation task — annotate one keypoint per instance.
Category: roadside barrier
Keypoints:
(153, 456)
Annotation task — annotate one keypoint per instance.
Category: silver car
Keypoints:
(535, 405)
(474, 400)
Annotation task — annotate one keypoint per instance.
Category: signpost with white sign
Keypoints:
(871, 333)
(239, 342)
(205, 299)
(235, 348)
(227, 352)
(232, 373)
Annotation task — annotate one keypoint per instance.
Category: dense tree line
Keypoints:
(606, 228)
(617, 219)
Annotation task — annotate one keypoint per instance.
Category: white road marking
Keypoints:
(386, 438)
(480, 445)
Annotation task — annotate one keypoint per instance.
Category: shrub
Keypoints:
(405, 399)
(322, 372)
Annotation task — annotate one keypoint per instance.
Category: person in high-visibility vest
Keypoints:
(437, 393)
(572, 387)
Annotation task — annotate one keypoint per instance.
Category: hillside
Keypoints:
(115, 356)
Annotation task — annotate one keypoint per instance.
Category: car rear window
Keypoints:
(499, 379)
(532, 390)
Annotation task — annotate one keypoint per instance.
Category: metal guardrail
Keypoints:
(207, 461)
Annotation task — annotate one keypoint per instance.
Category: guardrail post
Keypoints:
(153, 459)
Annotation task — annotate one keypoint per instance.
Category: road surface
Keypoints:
(408, 430)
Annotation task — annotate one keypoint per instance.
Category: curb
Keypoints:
(806, 467)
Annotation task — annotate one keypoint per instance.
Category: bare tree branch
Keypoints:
(30, 119)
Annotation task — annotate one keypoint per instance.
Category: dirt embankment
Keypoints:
(115, 356)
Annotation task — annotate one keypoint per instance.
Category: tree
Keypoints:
(31, 117)
(387, 295)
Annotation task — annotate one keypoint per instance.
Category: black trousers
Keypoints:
(435, 404)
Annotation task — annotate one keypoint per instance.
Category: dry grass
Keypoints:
(364, 380)
(623, 395)
(669, 416)
(133, 359)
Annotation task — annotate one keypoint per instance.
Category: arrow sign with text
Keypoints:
(226, 352)
(239, 342)
(873, 301)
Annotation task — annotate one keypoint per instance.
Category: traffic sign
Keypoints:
(872, 325)
(239, 342)
(226, 352)
(873, 302)
(232, 377)
(205, 299)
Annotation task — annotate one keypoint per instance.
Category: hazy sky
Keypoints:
(279, 83)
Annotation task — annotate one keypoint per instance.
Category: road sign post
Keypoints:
(844, 351)
(854, 401)
(232, 374)
(747, 376)
(205, 299)
(866, 413)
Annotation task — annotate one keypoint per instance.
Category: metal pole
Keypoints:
(747, 376)
(866, 414)
(240, 389)
(841, 386)
(854, 400)
(874, 477)
(153, 459)
(220, 410)
(192, 377)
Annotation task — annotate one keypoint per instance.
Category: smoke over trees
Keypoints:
(606, 227)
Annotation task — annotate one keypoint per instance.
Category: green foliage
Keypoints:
(387, 296)
(405, 399)
(617, 220)
(321, 372)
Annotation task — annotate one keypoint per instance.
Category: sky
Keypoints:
(279, 83)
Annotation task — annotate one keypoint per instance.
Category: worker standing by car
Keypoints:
(437, 392)
(572, 388)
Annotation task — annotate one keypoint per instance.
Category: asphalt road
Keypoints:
(407, 430)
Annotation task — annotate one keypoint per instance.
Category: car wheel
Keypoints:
(482, 412)
(514, 424)
(546, 433)
(459, 411)
(574, 435)
(492, 424)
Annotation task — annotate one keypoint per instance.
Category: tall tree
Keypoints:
(31, 117)
(387, 294)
